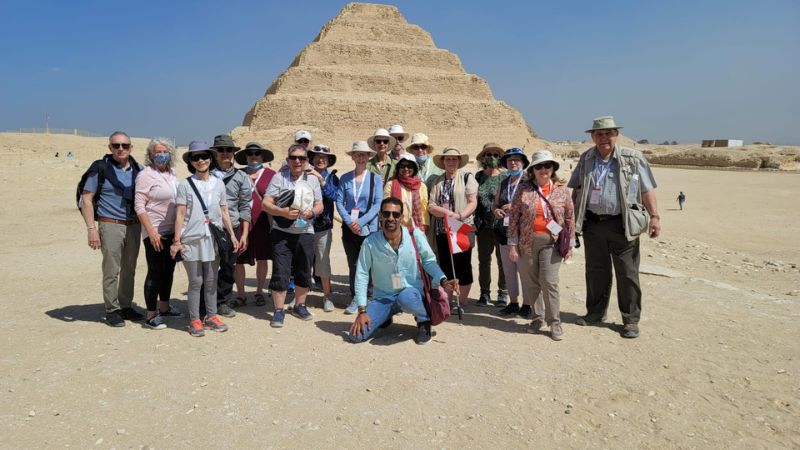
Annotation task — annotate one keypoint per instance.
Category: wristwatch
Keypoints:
(442, 281)
(362, 309)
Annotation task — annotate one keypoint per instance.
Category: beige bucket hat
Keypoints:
(398, 132)
(361, 147)
(438, 160)
(420, 139)
(542, 156)
(382, 133)
(603, 123)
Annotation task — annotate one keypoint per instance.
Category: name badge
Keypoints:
(554, 227)
(594, 199)
(397, 281)
(354, 214)
(505, 221)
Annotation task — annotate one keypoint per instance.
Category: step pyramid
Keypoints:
(369, 68)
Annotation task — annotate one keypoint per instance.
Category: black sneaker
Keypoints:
(131, 314)
(526, 312)
(484, 299)
(502, 301)
(423, 333)
(225, 311)
(114, 319)
(587, 321)
(511, 309)
(171, 313)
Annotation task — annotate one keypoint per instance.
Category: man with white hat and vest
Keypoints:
(615, 201)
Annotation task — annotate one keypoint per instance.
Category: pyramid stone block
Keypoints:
(369, 68)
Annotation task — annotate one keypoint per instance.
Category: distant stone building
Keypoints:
(722, 143)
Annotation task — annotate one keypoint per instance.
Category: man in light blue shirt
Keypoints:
(397, 282)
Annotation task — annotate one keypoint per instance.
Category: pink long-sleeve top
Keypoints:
(155, 195)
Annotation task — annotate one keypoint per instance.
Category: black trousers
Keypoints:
(352, 246)
(160, 272)
(605, 243)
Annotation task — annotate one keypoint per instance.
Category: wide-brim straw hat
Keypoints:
(361, 147)
(420, 139)
(515, 151)
(603, 123)
(382, 132)
(487, 147)
(241, 156)
(196, 147)
(322, 150)
(438, 160)
(542, 156)
(399, 131)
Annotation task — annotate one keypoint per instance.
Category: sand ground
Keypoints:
(716, 366)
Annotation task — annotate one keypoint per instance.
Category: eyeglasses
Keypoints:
(298, 158)
(514, 159)
(303, 141)
(225, 149)
(546, 165)
(198, 156)
(495, 155)
(420, 146)
(607, 133)
(253, 153)
(393, 214)
(381, 141)
(119, 146)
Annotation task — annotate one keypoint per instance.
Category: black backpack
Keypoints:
(98, 167)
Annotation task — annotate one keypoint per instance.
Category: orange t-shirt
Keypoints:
(539, 223)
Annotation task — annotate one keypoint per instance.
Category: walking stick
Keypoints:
(459, 308)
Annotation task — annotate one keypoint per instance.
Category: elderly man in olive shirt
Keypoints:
(615, 201)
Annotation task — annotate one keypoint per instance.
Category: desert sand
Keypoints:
(716, 365)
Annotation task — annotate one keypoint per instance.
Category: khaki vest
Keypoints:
(634, 216)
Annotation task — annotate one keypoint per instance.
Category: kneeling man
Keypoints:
(397, 283)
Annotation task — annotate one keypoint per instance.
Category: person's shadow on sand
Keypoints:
(393, 334)
(82, 313)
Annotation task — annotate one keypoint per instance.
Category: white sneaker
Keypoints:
(327, 305)
(352, 308)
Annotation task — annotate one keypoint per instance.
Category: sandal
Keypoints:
(260, 300)
(238, 302)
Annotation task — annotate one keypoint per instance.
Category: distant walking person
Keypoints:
(681, 200)
(110, 187)
(615, 202)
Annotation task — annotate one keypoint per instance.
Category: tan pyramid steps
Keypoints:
(341, 53)
(302, 80)
(377, 32)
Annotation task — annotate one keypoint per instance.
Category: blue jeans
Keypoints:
(380, 310)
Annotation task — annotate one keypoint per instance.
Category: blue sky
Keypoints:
(668, 70)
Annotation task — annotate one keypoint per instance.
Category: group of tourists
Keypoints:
(410, 218)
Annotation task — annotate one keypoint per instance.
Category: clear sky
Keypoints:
(668, 70)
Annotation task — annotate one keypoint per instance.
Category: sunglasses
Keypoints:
(303, 141)
(421, 146)
(298, 158)
(253, 153)
(547, 165)
(608, 133)
(405, 167)
(225, 150)
(381, 141)
(393, 214)
(119, 146)
(198, 156)
(496, 155)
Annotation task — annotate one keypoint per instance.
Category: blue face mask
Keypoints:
(515, 173)
(161, 159)
(255, 166)
(421, 159)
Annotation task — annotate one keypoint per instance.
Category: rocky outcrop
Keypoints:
(368, 68)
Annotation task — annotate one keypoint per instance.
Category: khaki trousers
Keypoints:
(120, 248)
(539, 274)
